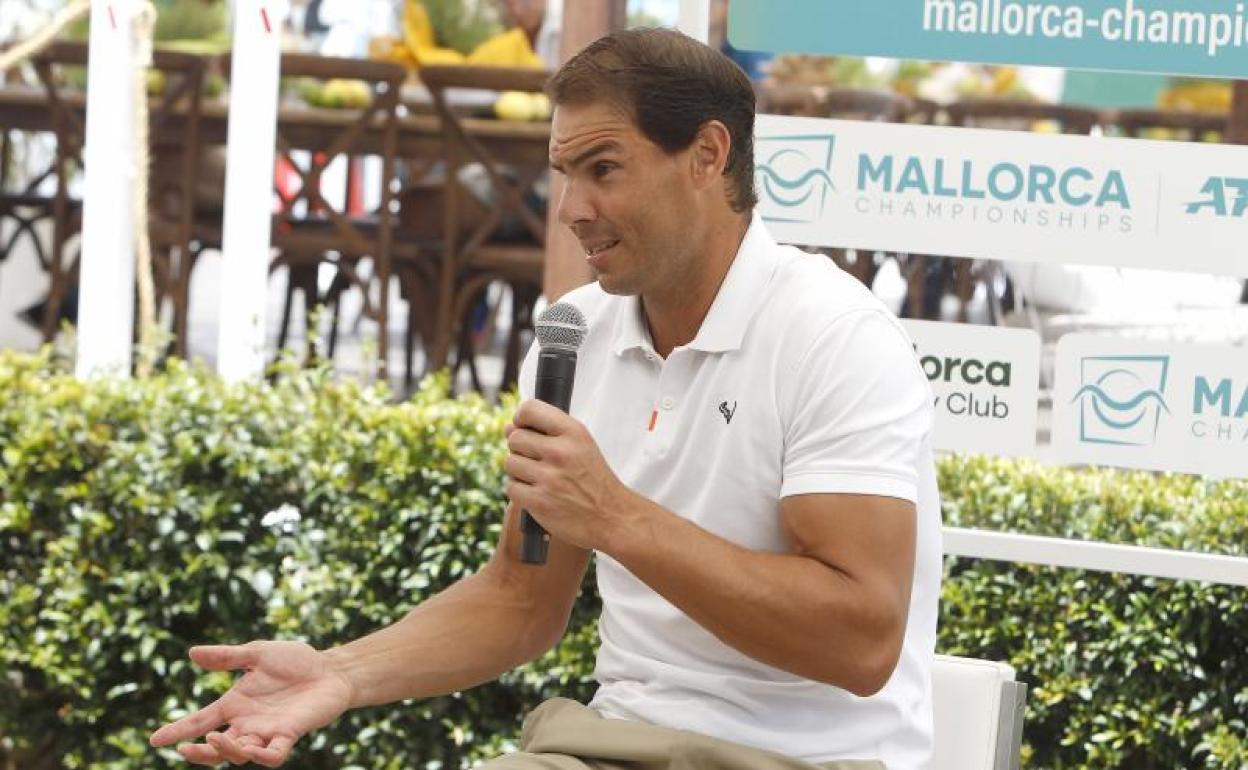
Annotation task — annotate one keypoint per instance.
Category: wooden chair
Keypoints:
(319, 232)
(28, 206)
(174, 128)
(509, 157)
(23, 217)
(175, 146)
(23, 208)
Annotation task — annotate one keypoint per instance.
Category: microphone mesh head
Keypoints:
(561, 326)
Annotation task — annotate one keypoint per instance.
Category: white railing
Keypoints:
(1099, 557)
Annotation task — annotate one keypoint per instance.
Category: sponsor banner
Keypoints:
(1207, 38)
(1004, 194)
(1164, 407)
(986, 383)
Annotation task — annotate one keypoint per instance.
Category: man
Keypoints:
(747, 452)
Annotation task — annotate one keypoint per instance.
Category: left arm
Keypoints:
(833, 609)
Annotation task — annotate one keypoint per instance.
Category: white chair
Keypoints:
(978, 714)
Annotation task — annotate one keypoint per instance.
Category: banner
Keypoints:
(1207, 38)
(1013, 195)
(1165, 407)
(986, 383)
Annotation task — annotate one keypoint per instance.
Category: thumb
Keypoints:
(226, 657)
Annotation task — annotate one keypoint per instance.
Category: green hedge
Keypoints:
(1125, 672)
(140, 517)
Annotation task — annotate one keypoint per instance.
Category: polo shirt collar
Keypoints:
(739, 296)
(630, 328)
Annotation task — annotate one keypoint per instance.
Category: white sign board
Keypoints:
(1004, 194)
(986, 384)
(1138, 404)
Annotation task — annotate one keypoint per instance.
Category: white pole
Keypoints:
(1099, 557)
(106, 282)
(695, 19)
(251, 137)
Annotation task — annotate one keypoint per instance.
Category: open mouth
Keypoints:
(598, 249)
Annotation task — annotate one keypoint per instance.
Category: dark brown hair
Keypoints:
(671, 85)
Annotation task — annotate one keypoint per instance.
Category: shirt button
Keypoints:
(668, 403)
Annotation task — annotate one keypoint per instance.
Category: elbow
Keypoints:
(866, 663)
(873, 671)
(537, 626)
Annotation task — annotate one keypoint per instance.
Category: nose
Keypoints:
(575, 206)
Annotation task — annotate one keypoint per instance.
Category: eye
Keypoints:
(602, 168)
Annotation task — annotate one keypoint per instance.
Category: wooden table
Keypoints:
(24, 108)
(421, 138)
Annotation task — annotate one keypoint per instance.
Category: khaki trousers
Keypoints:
(562, 734)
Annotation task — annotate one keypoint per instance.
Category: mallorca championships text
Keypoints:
(1125, 22)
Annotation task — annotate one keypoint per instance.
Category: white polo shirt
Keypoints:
(799, 381)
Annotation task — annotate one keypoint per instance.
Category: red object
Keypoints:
(286, 184)
(264, 16)
(654, 417)
(355, 190)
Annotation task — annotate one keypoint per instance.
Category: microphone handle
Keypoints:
(556, 370)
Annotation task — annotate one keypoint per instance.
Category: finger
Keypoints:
(191, 726)
(543, 418)
(272, 755)
(508, 428)
(244, 739)
(521, 494)
(530, 443)
(226, 657)
(522, 468)
(227, 747)
(200, 754)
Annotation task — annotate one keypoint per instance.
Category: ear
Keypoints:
(710, 154)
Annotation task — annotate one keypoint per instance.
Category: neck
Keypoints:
(675, 315)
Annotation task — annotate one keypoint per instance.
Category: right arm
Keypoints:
(504, 616)
(501, 617)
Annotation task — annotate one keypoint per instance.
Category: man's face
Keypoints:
(628, 202)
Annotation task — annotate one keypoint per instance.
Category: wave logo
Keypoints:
(795, 178)
(1122, 399)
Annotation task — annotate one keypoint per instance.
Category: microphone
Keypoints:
(560, 331)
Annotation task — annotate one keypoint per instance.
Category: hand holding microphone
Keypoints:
(560, 330)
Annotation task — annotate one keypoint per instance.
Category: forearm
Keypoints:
(468, 634)
(789, 611)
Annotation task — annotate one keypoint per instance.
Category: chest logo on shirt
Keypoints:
(727, 411)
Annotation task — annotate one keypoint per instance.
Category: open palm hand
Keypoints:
(289, 690)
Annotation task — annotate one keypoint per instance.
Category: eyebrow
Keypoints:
(598, 149)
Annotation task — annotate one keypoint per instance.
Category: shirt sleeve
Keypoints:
(857, 412)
